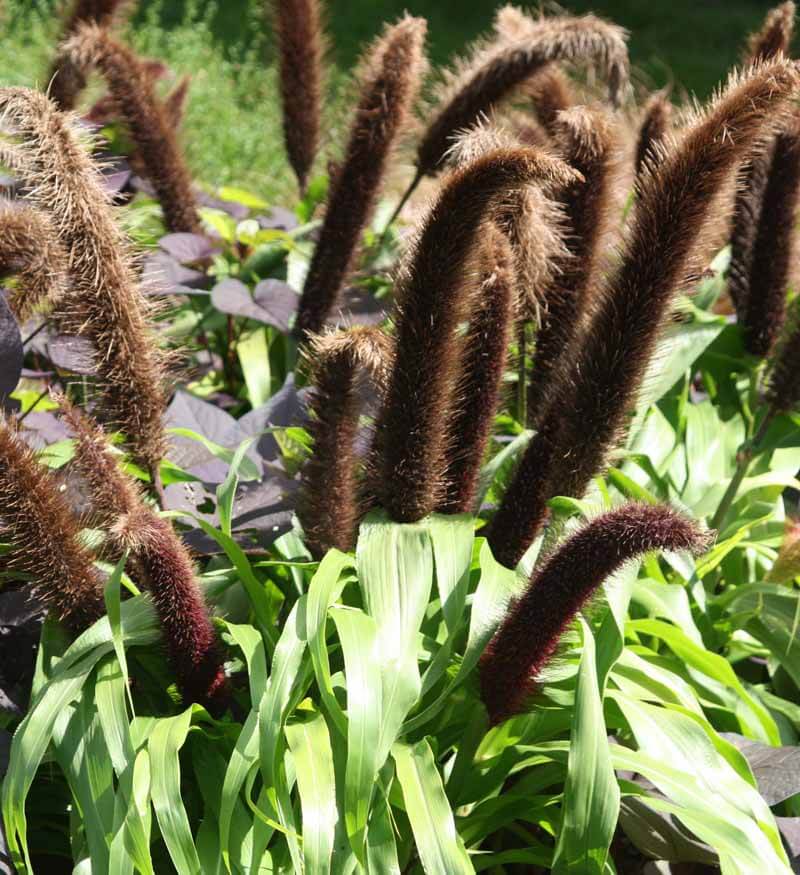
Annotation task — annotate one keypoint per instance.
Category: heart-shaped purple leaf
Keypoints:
(776, 769)
(163, 275)
(278, 300)
(187, 248)
(286, 407)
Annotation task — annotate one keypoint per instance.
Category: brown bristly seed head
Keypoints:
(166, 571)
(330, 500)
(533, 221)
(593, 398)
(772, 40)
(36, 518)
(550, 93)
(653, 129)
(162, 563)
(775, 36)
(495, 72)
(745, 218)
(774, 246)
(482, 365)
(302, 47)
(175, 101)
(783, 385)
(66, 81)
(153, 132)
(105, 303)
(30, 249)
(587, 140)
(389, 82)
(111, 491)
(528, 637)
(409, 454)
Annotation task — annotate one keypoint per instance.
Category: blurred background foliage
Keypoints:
(232, 129)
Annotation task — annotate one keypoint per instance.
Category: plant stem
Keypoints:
(157, 486)
(403, 201)
(743, 458)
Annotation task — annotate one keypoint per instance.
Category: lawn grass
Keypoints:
(232, 128)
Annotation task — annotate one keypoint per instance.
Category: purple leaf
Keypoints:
(657, 835)
(286, 407)
(116, 182)
(776, 769)
(278, 300)
(235, 210)
(188, 411)
(162, 274)
(790, 832)
(360, 307)
(187, 248)
(142, 185)
(40, 429)
(11, 352)
(66, 352)
(273, 302)
(189, 497)
(278, 219)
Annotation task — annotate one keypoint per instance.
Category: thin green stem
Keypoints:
(403, 201)
(743, 459)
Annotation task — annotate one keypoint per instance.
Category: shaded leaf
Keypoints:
(776, 769)
(11, 352)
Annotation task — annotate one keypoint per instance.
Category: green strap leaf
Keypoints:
(439, 847)
(591, 792)
(310, 745)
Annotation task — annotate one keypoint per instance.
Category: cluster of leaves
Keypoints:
(356, 737)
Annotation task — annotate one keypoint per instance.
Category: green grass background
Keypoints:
(232, 130)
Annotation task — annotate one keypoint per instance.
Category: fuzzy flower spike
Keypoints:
(30, 249)
(433, 293)
(773, 40)
(105, 303)
(330, 501)
(66, 81)
(529, 635)
(483, 360)
(594, 394)
(45, 535)
(162, 563)
(494, 72)
(389, 81)
(151, 128)
(301, 43)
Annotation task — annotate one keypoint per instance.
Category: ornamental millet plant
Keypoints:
(342, 364)
(30, 249)
(773, 40)
(585, 138)
(596, 390)
(388, 83)
(105, 303)
(774, 248)
(301, 58)
(160, 562)
(65, 80)
(653, 129)
(483, 360)
(494, 73)
(151, 128)
(433, 290)
(529, 635)
(38, 520)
